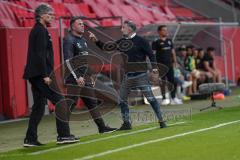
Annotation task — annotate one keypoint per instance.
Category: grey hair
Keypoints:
(131, 24)
(42, 9)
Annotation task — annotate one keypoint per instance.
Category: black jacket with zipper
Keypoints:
(40, 60)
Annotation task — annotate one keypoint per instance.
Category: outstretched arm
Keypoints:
(95, 40)
(102, 45)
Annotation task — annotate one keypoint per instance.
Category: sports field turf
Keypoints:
(210, 135)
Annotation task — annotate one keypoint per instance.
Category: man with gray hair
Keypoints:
(40, 63)
(136, 49)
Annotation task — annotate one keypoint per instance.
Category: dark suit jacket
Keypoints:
(40, 53)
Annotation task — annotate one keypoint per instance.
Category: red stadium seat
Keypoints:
(106, 23)
(57, 1)
(131, 13)
(145, 23)
(60, 9)
(144, 2)
(7, 17)
(159, 15)
(74, 9)
(169, 13)
(103, 2)
(85, 9)
(101, 11)
(116, 11)
(8, 23)
(6, 12)
(28, 22)
(117, 2)
(179, 11)
(33, 4)
(69, 1)
(21, 12)
(160, 2)
(145, 14)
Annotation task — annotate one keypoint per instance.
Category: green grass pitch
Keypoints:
(208, 136)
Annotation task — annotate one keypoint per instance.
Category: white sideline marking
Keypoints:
(13, 120)
(99, 139)
(154, 141)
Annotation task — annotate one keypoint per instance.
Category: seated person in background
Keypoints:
(205, 77)
(209, 65)
(181, 83)
(181, 56)
(190, 60)
(190, 65)
(195, 54)
(199, 58)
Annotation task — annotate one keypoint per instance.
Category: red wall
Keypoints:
(1, 103)
(13, 53)
(233, 34)
(236, 41)
(230, 34)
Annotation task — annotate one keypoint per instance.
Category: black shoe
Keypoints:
(106, 129)
(125, 126)
(67, 140)
(28, 143)
(162, 125)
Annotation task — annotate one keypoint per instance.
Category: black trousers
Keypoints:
(87, 94)
(170, 78)
(41, 92)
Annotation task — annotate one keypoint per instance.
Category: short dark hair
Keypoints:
(190, 47)
(131, 24)
(73, 20)
(209, 49)
(161, 27)
(200, 49)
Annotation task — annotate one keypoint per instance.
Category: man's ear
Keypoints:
(71, 27)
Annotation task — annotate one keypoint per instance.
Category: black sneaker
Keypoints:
(106, 129)
(162, 125)
(28, 143)
(125, 126)
(67, 140)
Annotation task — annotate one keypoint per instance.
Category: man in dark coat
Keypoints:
(40, 62)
